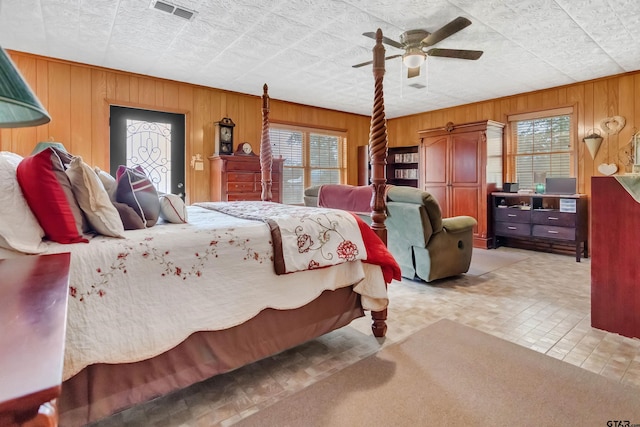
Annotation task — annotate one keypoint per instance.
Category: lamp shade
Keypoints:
(19, 106)
(413, 58)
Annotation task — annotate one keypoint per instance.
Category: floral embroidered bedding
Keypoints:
(135, 297)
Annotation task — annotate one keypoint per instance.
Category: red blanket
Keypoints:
(377, 252)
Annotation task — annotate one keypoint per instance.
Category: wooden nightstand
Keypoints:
(33, 314)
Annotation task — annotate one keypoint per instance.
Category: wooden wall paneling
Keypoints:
(587, 126)
(488, 111)
(550, 98)
(201, 121)
(575, 97)
(147, 91)
(636, 103)
(159, 95)
(185, 103)
(624, 108)
(60, 103)
(99, 120)
(42, 92)
(122, 89)
(611, 97)
(81, 143)
(24, 139)
(608, 149)
(134, 90)
(171, 95)
(562, 96)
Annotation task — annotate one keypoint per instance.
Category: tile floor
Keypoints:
(541, 302)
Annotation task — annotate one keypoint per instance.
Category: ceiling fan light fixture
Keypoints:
(413, 58)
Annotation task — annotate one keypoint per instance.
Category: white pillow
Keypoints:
(172, 208)
(19, 228)
(110, 184)
(94, 199)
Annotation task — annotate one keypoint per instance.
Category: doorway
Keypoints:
(155, 140)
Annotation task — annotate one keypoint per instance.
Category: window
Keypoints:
(540, 145)
(312, 157)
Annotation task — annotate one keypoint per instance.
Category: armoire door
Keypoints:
(436, 176)
(465, 174)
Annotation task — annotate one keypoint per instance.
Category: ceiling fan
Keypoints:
(416, 42)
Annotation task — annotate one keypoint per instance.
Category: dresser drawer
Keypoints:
(512, 215)
(242, 165)
(243, 177)
(237, 187)
(554, 218)
(551, 232)
(234, 197)
(513, 229)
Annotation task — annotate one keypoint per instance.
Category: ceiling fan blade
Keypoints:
(385, 40)
(371, 62)
(362, 64)
(448, 30)
(455, 53)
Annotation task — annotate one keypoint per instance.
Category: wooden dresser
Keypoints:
(551, 218)
(33, 314)
(238, 177)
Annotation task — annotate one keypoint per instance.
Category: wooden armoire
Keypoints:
(461, 167)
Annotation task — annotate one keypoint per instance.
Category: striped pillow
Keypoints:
(136, 190)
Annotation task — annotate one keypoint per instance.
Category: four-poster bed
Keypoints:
(178, 334)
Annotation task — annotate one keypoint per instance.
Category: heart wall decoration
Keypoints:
(612, 125)
(608, 168)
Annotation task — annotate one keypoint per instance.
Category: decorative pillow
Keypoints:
(173, 209)
(137, 191)
(93, 199)
(129, 217)
(110, 184)
(47, 189)
(19, 228)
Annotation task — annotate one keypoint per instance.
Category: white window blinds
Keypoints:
(540, 145)
(312, 157)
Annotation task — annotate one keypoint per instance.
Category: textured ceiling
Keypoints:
(304, 49)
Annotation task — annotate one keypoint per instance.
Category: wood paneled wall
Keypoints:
(593, 101)
(78, 96)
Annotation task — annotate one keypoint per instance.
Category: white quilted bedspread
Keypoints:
(134, 298)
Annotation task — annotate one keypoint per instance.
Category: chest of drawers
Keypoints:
(541, 217)
(237, 177)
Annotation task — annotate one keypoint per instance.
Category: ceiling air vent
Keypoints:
(173, 9)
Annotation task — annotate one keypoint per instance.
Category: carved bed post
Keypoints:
(266, 158)
(378, 155)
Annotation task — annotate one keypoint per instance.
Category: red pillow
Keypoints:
(47, 189)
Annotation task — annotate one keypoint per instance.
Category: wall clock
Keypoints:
(223, 136)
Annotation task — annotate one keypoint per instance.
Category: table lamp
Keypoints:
(19, 106)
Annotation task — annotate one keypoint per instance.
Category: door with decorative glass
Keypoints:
(153, 140)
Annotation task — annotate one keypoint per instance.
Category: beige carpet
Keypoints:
(486, 260)
(451, 374)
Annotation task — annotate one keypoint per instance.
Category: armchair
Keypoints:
(425, 245)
